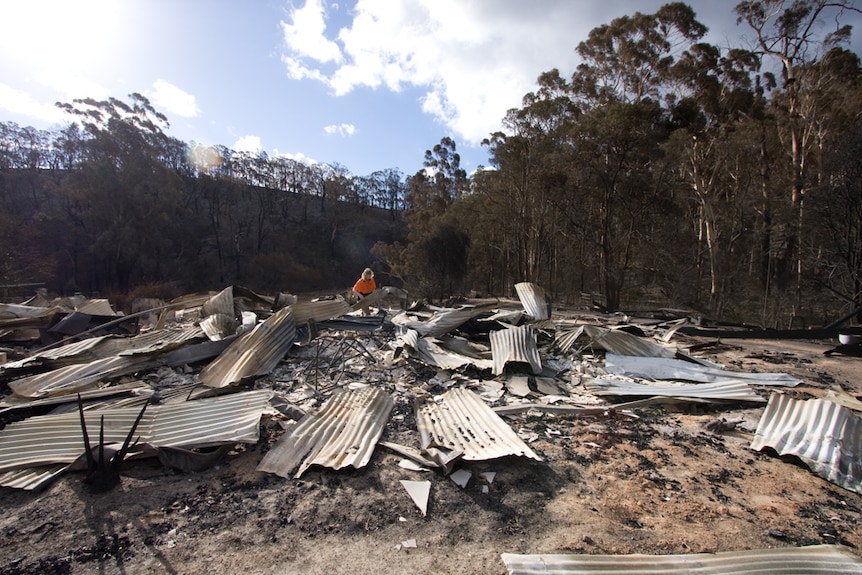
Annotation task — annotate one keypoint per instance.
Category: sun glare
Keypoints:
(62, 39)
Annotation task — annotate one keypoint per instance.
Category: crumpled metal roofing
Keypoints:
(32, 479)
(12, 401)
(725, 391)
(459, 420)
(79, 377)
(515, 344)
(444, 353)
(320, 310)
(441, 322)
(104, 346)
(536, 303)
(254, 353)
(823, 434)
(343, 433)
(668, 368)
(50, 439)
(612, 340)
(219, 304)
(812, 560)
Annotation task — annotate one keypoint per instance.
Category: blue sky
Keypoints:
(367, 84)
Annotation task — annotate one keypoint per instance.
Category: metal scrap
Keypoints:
(343, 433)
(826, 436)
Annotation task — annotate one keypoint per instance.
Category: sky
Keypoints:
(365, 84)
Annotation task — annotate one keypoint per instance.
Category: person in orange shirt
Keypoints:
(365, 285)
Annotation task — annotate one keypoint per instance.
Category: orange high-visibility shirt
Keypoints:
(365, 287)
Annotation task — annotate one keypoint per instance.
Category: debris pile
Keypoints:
(188, 380)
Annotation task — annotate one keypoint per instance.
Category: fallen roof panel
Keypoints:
(823, 434)
(50, 439)
(459, 420)
(32, 479)
(252, 354)
(668, 368)
(78, 377)
(536, 303)
(515, 344)
(724, 391)
(343, 433)
(614, 341)
(441, 322)
(813, 560)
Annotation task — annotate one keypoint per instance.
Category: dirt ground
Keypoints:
(659, 484)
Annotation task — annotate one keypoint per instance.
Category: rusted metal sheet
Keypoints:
(56, 439)
(343, 433)
(813, 560)
(826, 436)
(254, 353)
(459, 420)
(722, 391)
(536, 303)
(515, 344)
(677, 369)
(614, 341)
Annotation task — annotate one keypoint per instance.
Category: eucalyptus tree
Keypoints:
(832, 103)
(714, 107)
(429, 194)
(124, 206)
(790, 32)
(619, 88)
(522, 194)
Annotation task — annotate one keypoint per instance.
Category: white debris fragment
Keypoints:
(461, 477)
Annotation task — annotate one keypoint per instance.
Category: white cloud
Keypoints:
(475, 60)
(305, 35)
(344, 130)
(249, 144)
(300, 157)
(21, 102)
(173, 99)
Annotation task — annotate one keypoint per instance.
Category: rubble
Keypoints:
(449, 389)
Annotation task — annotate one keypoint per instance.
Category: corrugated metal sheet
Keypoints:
(99, 307)
(725, 391)
(13, 401)
(614, 341)
(667, 368)
(431, 352)
(536, 303)
(319, 310)
(32, 479)
(220, 303)
(101, 347)
(252, 354)
(459, 420)
(823, 434)
(343, 433)
(813, 560)
(50, 439)
(79, 377)
(441, 322)
(515, 344)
